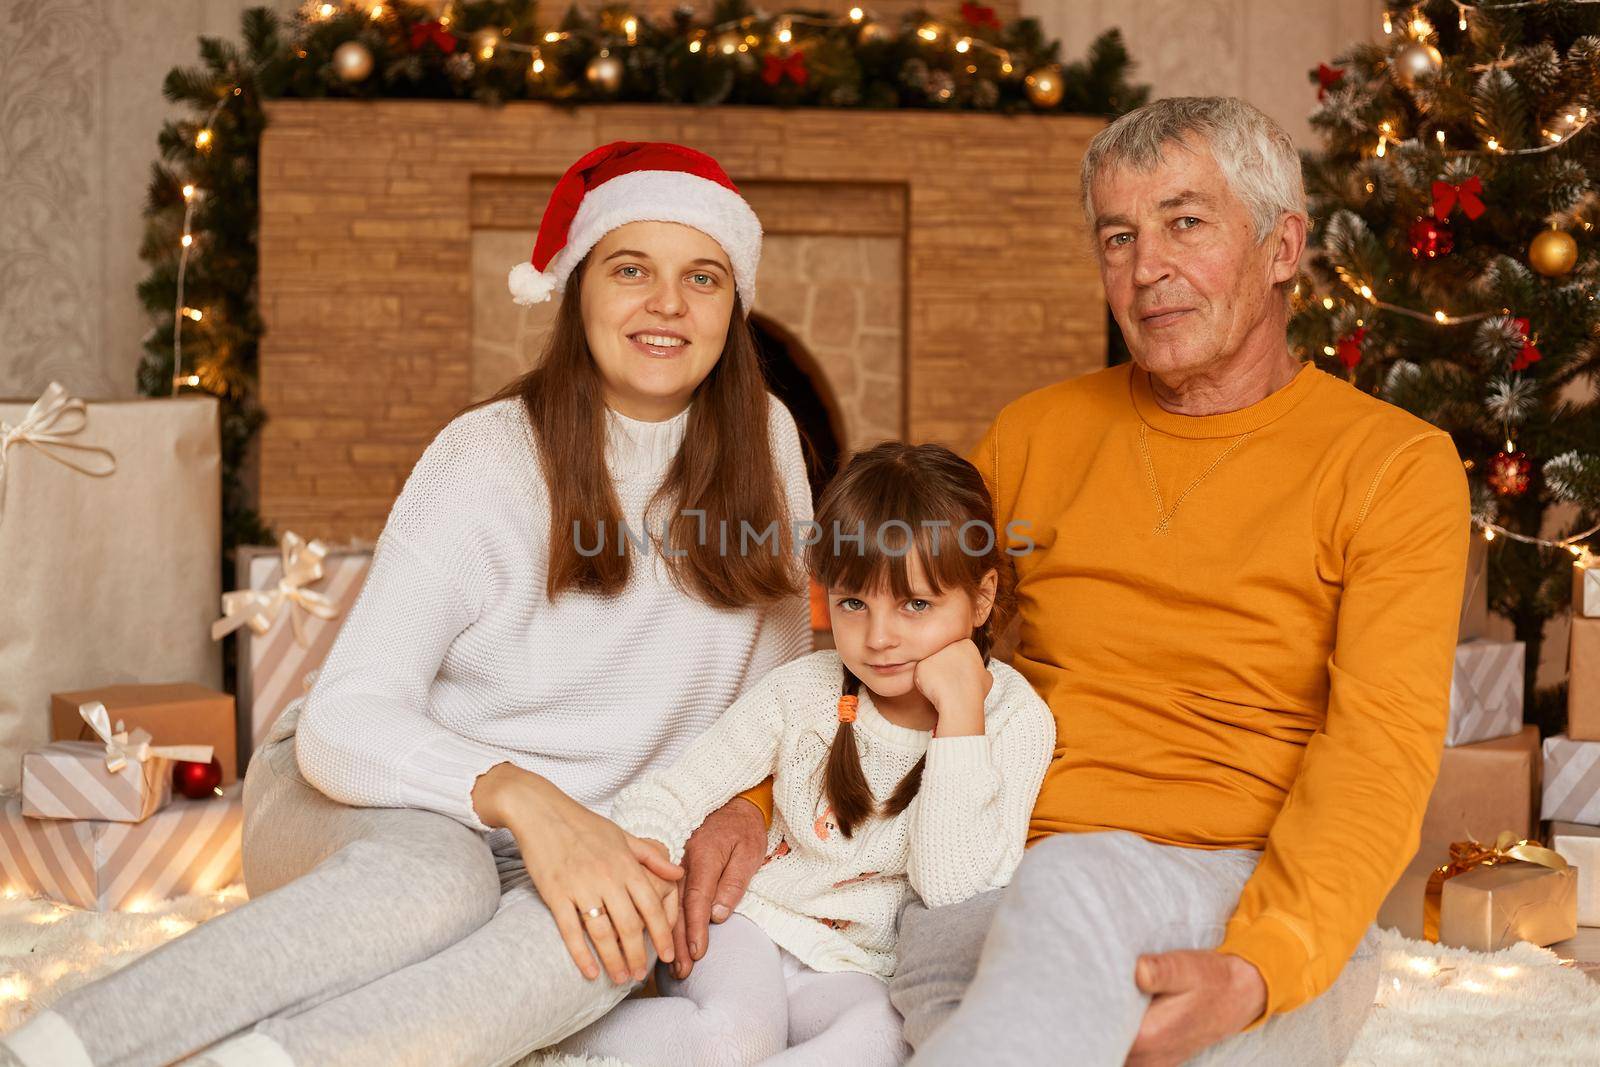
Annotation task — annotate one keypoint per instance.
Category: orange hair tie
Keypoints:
(847, 709)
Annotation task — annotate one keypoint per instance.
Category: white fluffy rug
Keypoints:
(1435, 1005)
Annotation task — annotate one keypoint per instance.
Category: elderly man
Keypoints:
(1241, 608)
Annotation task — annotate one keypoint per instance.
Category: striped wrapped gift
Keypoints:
(1485, 692)
(191, 846)
(69, 780)
(274, 662)
(1572, 780)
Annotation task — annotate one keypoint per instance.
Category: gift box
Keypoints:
(1483, 788)
(1579, 845)
(110, 552)
(1475, 598)
(1583, 679)
(1486, 897)
(1571, 780)
(179, 714)
(291, 603)
(190, 846)
(1586, 590)
(1485, 692)
(119, 777)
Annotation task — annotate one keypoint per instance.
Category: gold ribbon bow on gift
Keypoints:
(259, 608)
(49, 422)
(1467, 855)
(120, 748)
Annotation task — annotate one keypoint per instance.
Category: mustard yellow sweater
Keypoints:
(1244, 625)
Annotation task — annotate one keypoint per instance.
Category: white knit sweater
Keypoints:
(453, 659)
(831, 901)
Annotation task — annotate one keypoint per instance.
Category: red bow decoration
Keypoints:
(1447, 196)
(1349, 348)
(1327, 78)
(442, 38)
(792, 66)
(978, 15)
(1529, 354)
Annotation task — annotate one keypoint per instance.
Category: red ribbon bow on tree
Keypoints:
(979, 15)
(1327, 78)
(1447, 196)
(442, 38)
(793, 66)
(1529, 354)
(1349, 348)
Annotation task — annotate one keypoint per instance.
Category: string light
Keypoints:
(856, 14)
(1491, 530)
(202, 140)
(1388, 24)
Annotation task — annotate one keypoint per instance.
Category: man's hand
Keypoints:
(1198, 999)
(720, 858)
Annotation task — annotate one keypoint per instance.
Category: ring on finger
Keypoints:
(595, 912)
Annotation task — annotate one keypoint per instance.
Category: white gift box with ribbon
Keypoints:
(293, 601)
(120, 778)
(110, 552)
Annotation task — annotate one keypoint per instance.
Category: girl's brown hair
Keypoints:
(903, 499)
(724, 468)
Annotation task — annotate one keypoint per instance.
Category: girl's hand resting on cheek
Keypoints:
(956, 681)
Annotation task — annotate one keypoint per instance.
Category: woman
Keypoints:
(445, 885)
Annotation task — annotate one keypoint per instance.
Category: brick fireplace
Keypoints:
(919, 270)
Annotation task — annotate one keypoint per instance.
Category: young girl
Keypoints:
(901, 762)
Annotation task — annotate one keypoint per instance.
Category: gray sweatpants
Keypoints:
(1042, 971)
(373, 936)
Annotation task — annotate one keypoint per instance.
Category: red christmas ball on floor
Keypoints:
(1430, 238)
(196, 780)
(1510, 473)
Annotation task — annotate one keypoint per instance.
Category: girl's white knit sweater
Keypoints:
(453, 659)
(832, 901)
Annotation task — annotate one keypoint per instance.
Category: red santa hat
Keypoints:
(638, 181)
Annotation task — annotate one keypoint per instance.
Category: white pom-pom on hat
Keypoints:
(530, 286)
(630, 181)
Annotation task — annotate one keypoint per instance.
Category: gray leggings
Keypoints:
(1042, 971)
(373, 936)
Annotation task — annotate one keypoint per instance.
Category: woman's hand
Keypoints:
(955, 680)
(579, 860)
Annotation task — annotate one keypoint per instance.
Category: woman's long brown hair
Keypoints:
(724, 468)
(922, 486)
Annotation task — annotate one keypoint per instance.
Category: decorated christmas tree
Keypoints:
(1455, 265)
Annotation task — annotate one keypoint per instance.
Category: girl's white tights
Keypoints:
(749, 1001)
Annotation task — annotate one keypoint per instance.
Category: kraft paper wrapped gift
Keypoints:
(183, 714)
(190, 846)
(1579, 845)
(1572, 780)
(110, 552)
(1475, 598)
(291, 603)
(1583, 680)
(119, 777)
(1482, 789)
(1485, 692)
(1488, 898)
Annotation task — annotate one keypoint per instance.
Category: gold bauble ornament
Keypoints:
(1044, 86)
(352, 61)
(1553, 253)
(604, 72)
(1417, 61)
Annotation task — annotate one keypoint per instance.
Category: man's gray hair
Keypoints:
(1255, 155)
